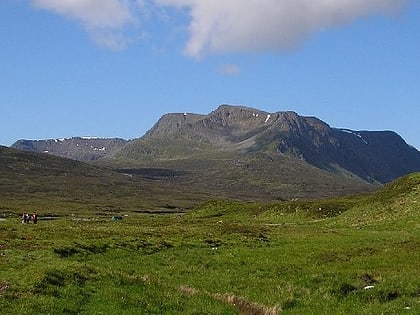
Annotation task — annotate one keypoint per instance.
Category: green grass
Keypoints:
(225, 257)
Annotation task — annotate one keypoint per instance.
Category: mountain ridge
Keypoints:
(77, 148)
(374, 156)
(241, 131)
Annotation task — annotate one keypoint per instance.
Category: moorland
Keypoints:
(347, 255)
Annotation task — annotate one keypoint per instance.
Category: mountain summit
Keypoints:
(374, 156)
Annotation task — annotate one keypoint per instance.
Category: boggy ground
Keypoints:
(344, 256)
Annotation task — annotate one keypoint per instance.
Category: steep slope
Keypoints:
(225, 126)
(77, 148)
(374, 156)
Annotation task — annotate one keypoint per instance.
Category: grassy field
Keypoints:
(338, 256)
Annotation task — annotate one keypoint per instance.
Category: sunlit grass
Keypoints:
(338, 256)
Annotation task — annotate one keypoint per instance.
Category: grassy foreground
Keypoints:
(342, 256)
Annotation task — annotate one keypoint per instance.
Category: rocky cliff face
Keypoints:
(77, 148)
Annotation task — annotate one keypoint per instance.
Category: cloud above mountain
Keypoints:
(217, 27)
(105, 20)
(267, 25)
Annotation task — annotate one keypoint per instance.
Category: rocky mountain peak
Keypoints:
(239, 117)
(374, 156)
(371, 155)
(172, 123)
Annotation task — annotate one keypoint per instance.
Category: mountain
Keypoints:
(238, 152)
(77, 148)
(374, 156)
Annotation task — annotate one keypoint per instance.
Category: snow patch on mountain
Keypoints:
(354, 133)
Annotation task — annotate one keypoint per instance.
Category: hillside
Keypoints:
(395, 205)
(77, 148)
(47, 184)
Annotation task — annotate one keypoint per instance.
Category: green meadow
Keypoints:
(358, 255)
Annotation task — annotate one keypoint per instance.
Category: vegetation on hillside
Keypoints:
(337, 256)
(52, 185)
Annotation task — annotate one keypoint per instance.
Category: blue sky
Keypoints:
(111, 68)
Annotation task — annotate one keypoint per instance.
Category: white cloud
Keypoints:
(112, 14)
(105, 20)
(267, 25)
(229, 69)
(220, 26)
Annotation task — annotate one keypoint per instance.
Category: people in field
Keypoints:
(27, 218)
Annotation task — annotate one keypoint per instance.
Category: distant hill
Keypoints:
(77, 148)
(374, 156)
(31, 181)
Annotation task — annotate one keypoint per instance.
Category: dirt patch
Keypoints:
(188, 290)
(3, 287)
(243, 305)
(246, 307)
